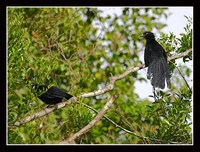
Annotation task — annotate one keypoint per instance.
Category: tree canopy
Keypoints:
(80, 50)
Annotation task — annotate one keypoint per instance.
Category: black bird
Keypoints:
(156, 60)
(53, 95)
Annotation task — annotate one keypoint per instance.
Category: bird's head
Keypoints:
(147, 35)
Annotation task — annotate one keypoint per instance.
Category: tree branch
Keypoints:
(109, 87)
(91, 124)
(126, 130)
(180, 55)
(112, 79)
(44, 112)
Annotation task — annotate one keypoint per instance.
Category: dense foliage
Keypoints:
(77, 49)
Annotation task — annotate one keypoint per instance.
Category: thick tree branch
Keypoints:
(92, 123)
(109, 87)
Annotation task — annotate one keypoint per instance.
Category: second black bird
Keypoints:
(156, 60)
(54, 95)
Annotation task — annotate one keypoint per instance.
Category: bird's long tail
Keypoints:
(158, 72)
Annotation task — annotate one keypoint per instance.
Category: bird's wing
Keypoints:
(55, 92)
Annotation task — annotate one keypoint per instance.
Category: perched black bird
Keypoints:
(53, 95)
(156, 60)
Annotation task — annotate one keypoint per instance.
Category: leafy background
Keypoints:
(77, 49)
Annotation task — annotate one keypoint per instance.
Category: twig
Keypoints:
(183, 77)
(91, 124)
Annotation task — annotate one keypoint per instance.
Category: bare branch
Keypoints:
(91, 124)
(44, 112)
(180, 55)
